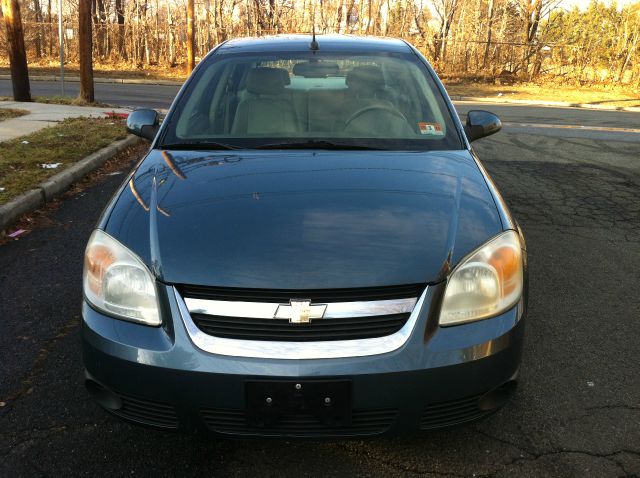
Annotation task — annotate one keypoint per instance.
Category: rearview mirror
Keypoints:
(481, 124)
(144, 123)
(316, 69)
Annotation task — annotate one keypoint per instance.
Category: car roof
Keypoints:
(301, 42)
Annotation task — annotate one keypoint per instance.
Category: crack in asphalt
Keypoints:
(613, 407)
(38, 434)
(533, 455)
(566, 190)
(607, 457)
(38, 365)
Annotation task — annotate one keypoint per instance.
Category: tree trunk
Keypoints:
(17, 54)
(120, 35)
(100, 22)
(85, 51)
(489, 30)
(39, 32)
(191, 38)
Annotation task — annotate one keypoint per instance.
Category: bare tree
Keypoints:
(17, 53)
(120, 33)
(85, 42)
(445, 11)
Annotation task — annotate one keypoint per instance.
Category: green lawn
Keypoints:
(66, 143)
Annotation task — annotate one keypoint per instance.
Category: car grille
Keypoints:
(282, 330)
(318, 296)
(444, 414)
(363, 422)
(363, 313)
(147, 412)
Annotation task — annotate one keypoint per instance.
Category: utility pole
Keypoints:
(17, 53)
(191, 37)
(85, 46)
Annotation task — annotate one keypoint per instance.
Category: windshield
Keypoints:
(312, 99)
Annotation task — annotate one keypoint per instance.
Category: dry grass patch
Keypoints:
(593, 95)
(8, 113)
(69, 141)
(58, 100)
(105, 70)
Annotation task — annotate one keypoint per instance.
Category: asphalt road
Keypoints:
(576, 412)
(139, 96)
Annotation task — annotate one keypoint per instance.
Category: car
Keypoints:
(310, 248)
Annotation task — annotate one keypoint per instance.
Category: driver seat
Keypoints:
(366, 89)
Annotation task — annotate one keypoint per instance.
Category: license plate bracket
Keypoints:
(329, 401)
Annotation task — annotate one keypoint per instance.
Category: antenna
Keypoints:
(314, 44)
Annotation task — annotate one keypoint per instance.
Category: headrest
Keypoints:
(368, 77)
(267, 81)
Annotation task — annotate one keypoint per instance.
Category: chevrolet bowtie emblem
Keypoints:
(300, 311)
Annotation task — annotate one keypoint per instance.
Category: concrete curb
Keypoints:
(557, 104)
(76, 79)
(59, 183)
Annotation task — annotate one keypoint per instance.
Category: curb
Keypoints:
(59, 183)
(76, 79)
(557, 104)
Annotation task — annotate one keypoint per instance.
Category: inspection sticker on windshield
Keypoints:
(432, 129)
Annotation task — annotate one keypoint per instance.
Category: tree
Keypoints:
(85, 45)
(122, 51)
(445, 11)
(191, 37)
(17, 54)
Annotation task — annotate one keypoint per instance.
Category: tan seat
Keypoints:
(268, 110)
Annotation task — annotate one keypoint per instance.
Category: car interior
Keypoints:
(310, 99)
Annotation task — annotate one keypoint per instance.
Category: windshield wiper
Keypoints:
(321, 144)
(199, 145)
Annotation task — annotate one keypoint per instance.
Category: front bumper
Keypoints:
(439, 377)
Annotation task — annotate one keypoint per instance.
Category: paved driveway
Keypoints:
(576, 413)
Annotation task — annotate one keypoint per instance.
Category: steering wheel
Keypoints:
(366, 109)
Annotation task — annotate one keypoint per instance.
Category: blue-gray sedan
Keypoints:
(310, 248)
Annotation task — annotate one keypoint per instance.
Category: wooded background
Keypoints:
(506, 39)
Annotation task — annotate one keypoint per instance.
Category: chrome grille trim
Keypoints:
(266, 310)
(299, 350)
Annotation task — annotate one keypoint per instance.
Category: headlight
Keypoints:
(486, 283)
(116, 281)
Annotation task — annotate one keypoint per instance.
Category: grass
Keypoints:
(8, 113)
(593, 95)
(68, 142)
(57, 100)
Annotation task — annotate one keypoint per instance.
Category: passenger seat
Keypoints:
(269, 109)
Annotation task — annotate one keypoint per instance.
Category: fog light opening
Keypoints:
(497, 397)
(104, 397)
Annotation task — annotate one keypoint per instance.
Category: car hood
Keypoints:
(303, 219)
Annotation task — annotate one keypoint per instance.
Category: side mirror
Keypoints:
(144, 123)
(481, 124)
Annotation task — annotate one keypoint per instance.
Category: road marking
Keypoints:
(574, 126)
